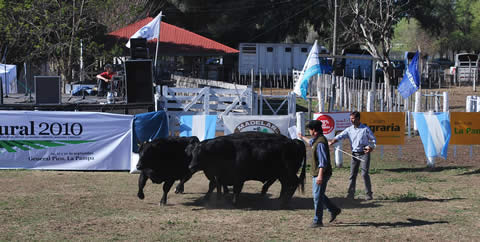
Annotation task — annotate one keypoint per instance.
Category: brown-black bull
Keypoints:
(234, 159)
(165, 160)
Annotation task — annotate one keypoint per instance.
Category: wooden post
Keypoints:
(206, 100)
(326, 83)
(332, 95)
(350, 101)
(418, 96)
(252, 80)
(381, 99)
(345, 88)
(475, 75)
(361, 96)
(260, 92)
(309, 103)
(389, 97)
(446, 106)
(406, 104)
(399, 100)
(408, 124)
(468, 105)
(370, 101)
(321, 105)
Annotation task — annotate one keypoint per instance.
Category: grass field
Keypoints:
(410, 203)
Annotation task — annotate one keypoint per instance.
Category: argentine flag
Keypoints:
(434, 129)
(411, 79)
(312, 66)
(149, 31)
(202, 126)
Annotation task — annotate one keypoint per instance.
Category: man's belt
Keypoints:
(358, 153)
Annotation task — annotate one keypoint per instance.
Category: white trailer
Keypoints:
(466, 67)
(273, 57)
(361, 67)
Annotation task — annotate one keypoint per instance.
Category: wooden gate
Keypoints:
(277, 104)
(207, 100)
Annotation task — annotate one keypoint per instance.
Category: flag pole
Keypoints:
(158, 40)
(4, 60)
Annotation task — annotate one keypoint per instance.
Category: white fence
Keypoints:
(473, 104)
(276, 103)
(192, 101)
(340, 94)
(220, 102)
(190, 82)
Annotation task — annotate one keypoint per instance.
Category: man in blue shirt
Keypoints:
(362, 142)
(321, 171)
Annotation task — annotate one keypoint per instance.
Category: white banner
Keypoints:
(278, 124)
(332, 123)
(65, 140)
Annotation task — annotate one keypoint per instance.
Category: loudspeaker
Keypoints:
(138, 48)
(47, 90)
(139, 82)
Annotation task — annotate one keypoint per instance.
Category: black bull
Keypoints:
(165, 160)
(234, 159)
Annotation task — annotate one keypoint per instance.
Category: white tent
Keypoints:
(8, 74)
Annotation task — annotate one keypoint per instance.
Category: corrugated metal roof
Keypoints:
(175, 39)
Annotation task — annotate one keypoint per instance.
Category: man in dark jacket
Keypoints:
(321, 170)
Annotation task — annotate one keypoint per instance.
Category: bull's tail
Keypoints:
(302, 174)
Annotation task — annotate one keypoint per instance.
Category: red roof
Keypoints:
(175, 40)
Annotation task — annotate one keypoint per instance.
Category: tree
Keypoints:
(475, 9)
(234, 21)
(408, 36)
(371, 25)
(115, 14)
(40, 30)
(454, 23)
(466, 12)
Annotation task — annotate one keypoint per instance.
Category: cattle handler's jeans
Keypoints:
(364, 165)
(320, 200)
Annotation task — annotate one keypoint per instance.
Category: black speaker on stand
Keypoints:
(139, 81)
(139, 49)
(47, 90)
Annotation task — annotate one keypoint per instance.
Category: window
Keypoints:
(288, 49)
(249, 49)
(304, 50)
(269, 49)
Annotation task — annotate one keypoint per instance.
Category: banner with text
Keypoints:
(465, 128)
(333, 123)
(65, 140)
(388, 127)
(278, 124)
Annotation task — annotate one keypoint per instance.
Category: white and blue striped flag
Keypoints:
(411, 79)
(313, 66)
(149, 31)
(202, 126)
(434, 129)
